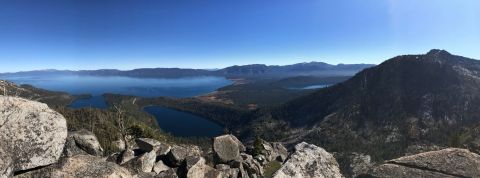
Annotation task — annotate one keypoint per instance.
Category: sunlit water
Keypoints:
(96, 86)
(310, 87)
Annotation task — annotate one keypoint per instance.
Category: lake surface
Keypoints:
(310, 87)
(184, 124)
(96, 86)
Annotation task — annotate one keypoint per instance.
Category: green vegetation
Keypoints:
(257, 146)
(258, 94)
(104, 124)
(303, 81)
(271, 168)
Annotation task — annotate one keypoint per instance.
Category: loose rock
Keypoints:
(148, 144)
(227, 148)
(143, 163)
(226, 171)
(178, 153)
(195, 167)
(309, 161)
(160, 167)
(80, 166)
(82, 141)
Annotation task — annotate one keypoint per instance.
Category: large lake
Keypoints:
(176, 122)
(96, 86)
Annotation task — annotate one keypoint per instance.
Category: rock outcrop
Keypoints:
(251, 166)
(31, 135)
(160, 167)
(80, 166)
(195, 167)
(142, 163)
(353, 164)
(227, 171)
(178, 153)
(274, 151)
(35, 138)
(148, 144)
(161, 148)
(227, 148)
(450, 162)
(81, 142)
(309, 161)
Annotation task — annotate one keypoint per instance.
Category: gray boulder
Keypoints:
(226, 171)
(79, 166)
(227, 148)
(148, 144)
(252, 166)
(280, 153)
(274, 151)
(145, 175)
(360, 163)
(31, 135)
(354, 164)
(309, 161)
(178, 153)
(170, 173)
(125, 156)
(114, 157)
(6, 167)
(142, 163)
(450, 162)
(82, 141)
(160, 167)
(195, 167)
(163, 149)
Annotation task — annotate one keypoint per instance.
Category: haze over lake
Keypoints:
(94, 85)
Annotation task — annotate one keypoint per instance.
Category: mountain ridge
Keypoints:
(252, 70)
(383, 111)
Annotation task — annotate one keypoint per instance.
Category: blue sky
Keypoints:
(91, 34)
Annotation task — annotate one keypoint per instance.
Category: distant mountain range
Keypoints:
(410, 102)
(254, 70)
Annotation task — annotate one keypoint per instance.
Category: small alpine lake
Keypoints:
(183, 124)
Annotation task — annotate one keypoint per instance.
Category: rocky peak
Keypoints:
(404, 101)
(438, 53)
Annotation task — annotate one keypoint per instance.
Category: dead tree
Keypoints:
(121, 124)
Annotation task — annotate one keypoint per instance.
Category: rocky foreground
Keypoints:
(34, 142)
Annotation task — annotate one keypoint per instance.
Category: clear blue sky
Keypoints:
(92, 34)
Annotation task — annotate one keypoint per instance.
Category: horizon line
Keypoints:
(186, 68)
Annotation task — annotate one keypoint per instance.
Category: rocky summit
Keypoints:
(40, 146)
